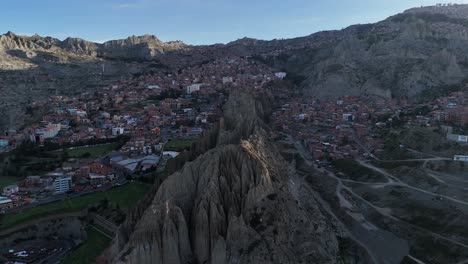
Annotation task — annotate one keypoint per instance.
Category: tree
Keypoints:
(86, 155)
(104, 203)
(65, 155)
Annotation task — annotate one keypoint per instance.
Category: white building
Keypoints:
(348, 117)
(50, 131)
(227, 80)
(452, 105)
(10, 189)
(173, 154)
(192, 88)
(5, 202)
(81, 113)
(280, 75)
(152, 86)
(460, 158)
(62, 184)
(117, 131)
(105, 115)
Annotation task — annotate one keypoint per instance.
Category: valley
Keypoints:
(343, 146)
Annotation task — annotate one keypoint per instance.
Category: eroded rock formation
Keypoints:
(232, 204)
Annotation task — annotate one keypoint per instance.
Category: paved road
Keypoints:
(327, 208)
(409, 160)
(416, 260)
(58, 258)
(306, 156)
(54, 198)
(360, 230)
(365, 149)
(42, 219)
(398, 182)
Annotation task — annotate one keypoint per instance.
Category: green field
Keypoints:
(178, 144)
(92, 151)
(95, 151)
(125, 196)
(6, 180)
(355, 171)
(90, 249)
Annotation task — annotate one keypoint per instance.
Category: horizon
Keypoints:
(194, 26)
(343, 140)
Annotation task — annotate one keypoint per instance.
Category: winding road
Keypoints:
(392, 180)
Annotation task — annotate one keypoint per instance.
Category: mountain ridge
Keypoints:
(141, 47)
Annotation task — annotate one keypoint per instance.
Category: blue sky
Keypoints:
(193, 21)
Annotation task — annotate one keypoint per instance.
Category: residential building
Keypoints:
(5, 203)
(117, 131)
(4, 142)
(280, 75)
(32, 181)
(460, 158)
(62, 184)
(10, 189)
(227, 80)
(192, 88)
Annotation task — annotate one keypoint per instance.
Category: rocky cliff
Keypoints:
(234, 204)
(411, 55)
(144, 47)
(416, 54)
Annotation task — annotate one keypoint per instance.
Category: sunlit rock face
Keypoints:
(233, 204)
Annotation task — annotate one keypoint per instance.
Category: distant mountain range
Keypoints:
(419, 53)
(136, 47)
(416, 54)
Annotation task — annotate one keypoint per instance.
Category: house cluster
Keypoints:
(74, 176)
(235, 72)
(148, 110)
(348, 127)
(452, 109)
(186, 100)
(335, 129)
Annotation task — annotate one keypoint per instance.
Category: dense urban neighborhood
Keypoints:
(99, 140)
(354, 127)
(96, 141)
(77, 147)
(343, 146)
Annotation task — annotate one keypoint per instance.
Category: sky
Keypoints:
(193, 21)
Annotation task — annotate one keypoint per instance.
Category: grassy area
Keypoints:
(16, 165)
(90, 249)
(357, 172)
(393, 165)
(7, 180)
(125, 196)
(178, 144)
(95, 151)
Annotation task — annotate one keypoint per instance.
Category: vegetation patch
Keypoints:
(178, 144)
(90, 249)
(395, 164)
(356, 172)
(95, 151)
(124, 196)
(7, 180)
